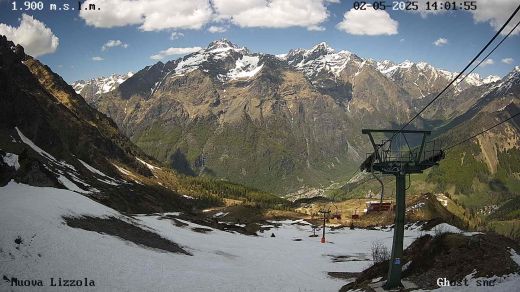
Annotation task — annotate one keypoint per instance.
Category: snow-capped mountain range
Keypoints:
(100, 85)
(225, 104)
(238, 63)
(322, 58)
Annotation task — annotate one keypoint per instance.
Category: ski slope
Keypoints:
(221, 261)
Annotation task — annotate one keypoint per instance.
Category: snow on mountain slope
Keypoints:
(321, 57)
(101, 84)
(229, 62)
(511, 80)
(246, 67)
(66, 174)
(233, 262)
(491, 79)
(190, 63)
(395, 71)
(218, 54)
(418, 78)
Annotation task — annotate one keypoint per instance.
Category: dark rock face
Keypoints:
(62, 128)
(6, 172)
(35, 174)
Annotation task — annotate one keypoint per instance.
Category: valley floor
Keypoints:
(36, 243)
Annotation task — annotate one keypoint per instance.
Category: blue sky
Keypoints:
(277, 28)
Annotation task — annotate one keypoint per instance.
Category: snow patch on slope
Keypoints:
(190, 63)
(33, 146)
(515, 257)
(43, 153)
(245, 67)
(70, 185)
(108, 180)
(151, 167)
(321, 58)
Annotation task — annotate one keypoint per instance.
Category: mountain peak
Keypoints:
(221, 44)
(323, 48)
(222, 47)
(100, 85)
(406, 64)
(491, 79)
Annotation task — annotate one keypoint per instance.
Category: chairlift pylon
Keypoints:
(398, 162)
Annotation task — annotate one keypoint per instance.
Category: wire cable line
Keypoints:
(481, 132)
(457, 77)
(462, 72)
(485, 58)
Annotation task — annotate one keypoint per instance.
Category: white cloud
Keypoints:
(316, 28)
(97, 58)
(112, 44)
(496, 12)
(440, 42)
(151, 15)
(368, 22)
(33, 35)
(487, 62)
(507, 61)
(228, 8)
(217, 29)
(176, 35)
(174, 51)
(273, 13)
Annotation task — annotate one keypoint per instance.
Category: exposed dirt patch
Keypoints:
(349, 258)
(231, 225)
(124, 230)
(451, 256)
(201, 229)
(343, 275)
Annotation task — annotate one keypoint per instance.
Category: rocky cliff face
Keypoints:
(49, 136)
(275, 122)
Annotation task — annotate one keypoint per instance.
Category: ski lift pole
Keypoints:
(394, 271)
(324, 212)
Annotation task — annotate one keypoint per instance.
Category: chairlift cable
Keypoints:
(460, 74)
(457, 77)
(481, 132)
(485, 58)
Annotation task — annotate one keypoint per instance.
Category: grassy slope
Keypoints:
(236, 153)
